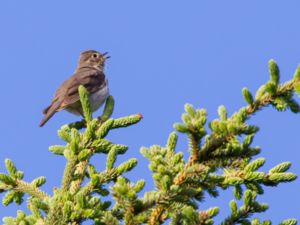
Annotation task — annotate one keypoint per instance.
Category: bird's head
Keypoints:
(93, 58)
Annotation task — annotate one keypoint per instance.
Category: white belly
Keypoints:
(98, 98)
(96, 101)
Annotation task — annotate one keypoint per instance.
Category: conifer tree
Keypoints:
(221, 156)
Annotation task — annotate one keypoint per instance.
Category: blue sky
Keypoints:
(163, 55)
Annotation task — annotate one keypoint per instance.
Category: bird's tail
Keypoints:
(49, 112)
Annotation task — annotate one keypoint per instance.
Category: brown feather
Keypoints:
(92, 79)
(89, 73)
(49, 112)
(67, 94)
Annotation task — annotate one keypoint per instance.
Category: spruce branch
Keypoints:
(98, 179)
(107, 112)
(220, 156)
(241, 215)
(74, 202)
(86, 106)
(95, 131)
(289, 222)
(215, 141)
(68, 173)
(30, 189)
(16, 187)
(223, 143)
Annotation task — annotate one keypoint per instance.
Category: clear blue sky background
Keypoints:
(164, 54)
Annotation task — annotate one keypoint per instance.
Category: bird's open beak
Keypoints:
(105, 55)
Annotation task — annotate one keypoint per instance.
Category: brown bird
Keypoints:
(90, 74)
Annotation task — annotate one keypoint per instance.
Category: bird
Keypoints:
(90, 74)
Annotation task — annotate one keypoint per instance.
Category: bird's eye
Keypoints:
(95, 55)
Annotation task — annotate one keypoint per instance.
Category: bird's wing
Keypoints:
(58, 95)
(67, 94)
(92, 79)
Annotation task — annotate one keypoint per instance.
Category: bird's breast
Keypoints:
(98, 98)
